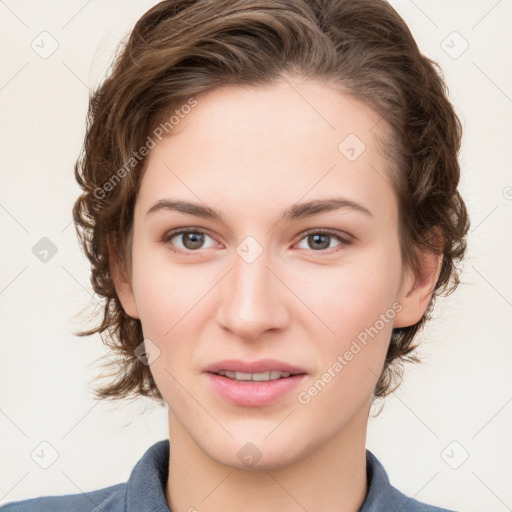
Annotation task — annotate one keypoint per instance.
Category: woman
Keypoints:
(229, 140)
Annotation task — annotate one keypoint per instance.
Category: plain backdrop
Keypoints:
(444, 437)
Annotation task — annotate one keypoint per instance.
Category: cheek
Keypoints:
(353, 295)
(167, 294)
(357, 302)
(359, 309)
(168, 299)
(174, 302)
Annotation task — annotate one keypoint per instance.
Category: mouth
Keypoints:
(259, 371)
(257, 377)
(254, 383)
(250, 393)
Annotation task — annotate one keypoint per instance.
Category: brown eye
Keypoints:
(190, 240)
(319, 241)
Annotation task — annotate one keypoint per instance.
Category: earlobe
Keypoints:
(417, 289)
(122, 283)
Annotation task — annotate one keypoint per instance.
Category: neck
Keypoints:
(330, 477)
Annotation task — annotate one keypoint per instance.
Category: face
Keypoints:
(316, 288)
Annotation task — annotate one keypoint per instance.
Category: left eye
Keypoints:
(321, 239)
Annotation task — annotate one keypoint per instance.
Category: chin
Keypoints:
(269, 461)
(258, 453)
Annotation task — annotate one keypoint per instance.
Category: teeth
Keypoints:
(263, 376)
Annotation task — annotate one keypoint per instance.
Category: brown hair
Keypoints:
(183, 48)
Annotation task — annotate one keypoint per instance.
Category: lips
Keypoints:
(253, 393)
(260, 366)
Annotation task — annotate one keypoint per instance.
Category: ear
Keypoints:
(417, 288)
(122, 282)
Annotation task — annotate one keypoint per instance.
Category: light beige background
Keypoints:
(457, 403)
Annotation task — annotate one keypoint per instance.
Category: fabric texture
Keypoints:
(145, 491)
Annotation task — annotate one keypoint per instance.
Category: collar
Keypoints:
(145, 491)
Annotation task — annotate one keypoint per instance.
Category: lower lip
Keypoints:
(253, 393)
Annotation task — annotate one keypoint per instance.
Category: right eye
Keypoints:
(191, 240)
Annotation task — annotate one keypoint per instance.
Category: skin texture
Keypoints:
(251, 154)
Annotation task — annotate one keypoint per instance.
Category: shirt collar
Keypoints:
(145, 490)
(381, 495)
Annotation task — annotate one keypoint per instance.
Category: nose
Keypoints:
(253, 299)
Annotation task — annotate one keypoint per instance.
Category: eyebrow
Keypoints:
(295, 212)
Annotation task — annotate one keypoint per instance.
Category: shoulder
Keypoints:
(109, 499)
(382, 495)
(144, 490)
(408, 504)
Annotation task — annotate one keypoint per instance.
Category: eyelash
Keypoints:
(171, 234)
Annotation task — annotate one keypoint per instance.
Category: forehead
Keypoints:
(263, 148)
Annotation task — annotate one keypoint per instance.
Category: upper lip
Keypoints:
(263, 365)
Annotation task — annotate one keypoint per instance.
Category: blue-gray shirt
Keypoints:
(145, 491)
